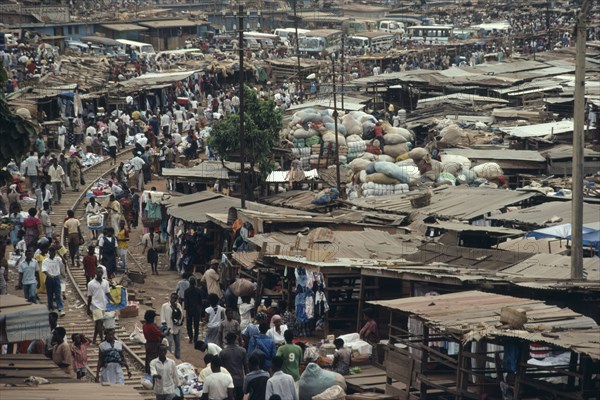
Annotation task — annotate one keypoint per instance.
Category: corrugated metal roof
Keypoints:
(22, 320)
(473, 315)
(459, 227)
(449, 203)
(367, 244)
(481, 259)
(124, 27)
(548, 128)
(462, 97)
(565, 152)
(196, 207)
(504, 154)
(201, 171)
(540, 215)
(350, 103)
(173, 23)
(551, 267)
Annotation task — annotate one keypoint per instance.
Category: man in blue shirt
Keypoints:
(263, 346)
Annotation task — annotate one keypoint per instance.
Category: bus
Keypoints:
(290, 33)
(390, 26)
(371, 42)
(265, 40)
(352, 26)
(322, 40)
(138, 47)
(429, 33)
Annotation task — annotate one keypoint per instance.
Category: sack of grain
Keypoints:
(385, 157)
(242, 287)
(353, 138)
(393, 138)
(462, 160)
(488, 170)
(353, 127)
(418, 153)
(301, 134)
(381, 179)
(391, 170)
(452, 168)
(395, 150)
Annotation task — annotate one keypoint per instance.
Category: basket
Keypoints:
(421, 201)
(151, 222)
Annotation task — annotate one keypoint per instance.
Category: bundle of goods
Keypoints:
(376, 189)
(243, 287)
(316, 130)
(303, 154)
(326, 196)
(380, 175)
(100, 190)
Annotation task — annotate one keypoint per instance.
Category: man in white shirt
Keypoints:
(206, 371)
(116, 190)
(165, 122)
(208, 348)
(171, 315)
(53, 266)
(62, 134)
(30, 169)
(57, 175)
(178, 113)
(164, 372)
(281, 383)
(218, 385)
(97, 290)
(113, 141)
(91, 131)
(137, 163)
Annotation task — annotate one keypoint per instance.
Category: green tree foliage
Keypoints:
(262, 126)
(16, 133)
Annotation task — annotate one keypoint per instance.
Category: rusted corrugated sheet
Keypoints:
(473, 315)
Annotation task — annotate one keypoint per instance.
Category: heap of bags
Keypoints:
(313, 136)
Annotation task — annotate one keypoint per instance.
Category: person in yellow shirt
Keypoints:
(114, 213)
(40, 255)
(123, 243)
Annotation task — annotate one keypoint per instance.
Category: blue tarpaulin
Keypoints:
(591, 235)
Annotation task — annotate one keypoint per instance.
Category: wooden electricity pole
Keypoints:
(578, 142)
(241, 112)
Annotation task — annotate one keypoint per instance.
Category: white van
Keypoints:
(390, 26)
(138, 47)
(372, 42)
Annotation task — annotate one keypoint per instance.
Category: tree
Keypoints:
(262, 126)
(16, 133)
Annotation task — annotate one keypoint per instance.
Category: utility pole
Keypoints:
(578, 142)
(343, 70)
(241, 113)
(335, 123)
(296, 20)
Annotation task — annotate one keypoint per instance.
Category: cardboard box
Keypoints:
(131, 310)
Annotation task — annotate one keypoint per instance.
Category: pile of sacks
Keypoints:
(313, 136)
(453, 169)
(451, 133)
(379, 175)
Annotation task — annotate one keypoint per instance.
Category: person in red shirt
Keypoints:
(90, 263)
(153, 337)
(378, 131)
